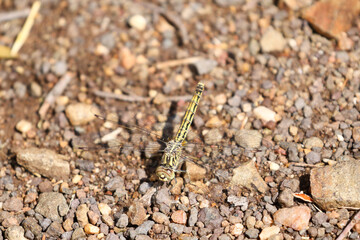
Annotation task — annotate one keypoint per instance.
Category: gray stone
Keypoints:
(31, 224)
(336, 186)
(286, 198)
(313, 157)
(210, 217)
(52, 205)
(299, 103)
(248, 138)
(272, 41)
(252, 233)
(59, 68)
(123, 221)
(20, 89)
(319, 218)
(293, 154)
(193, 216)
(13, 204)
(144, 228)
(205, 66)
(246, 175)
(115, 183)
(78, 234)
(227, 3)
(213, 136)
(44, 161)
(176, 228)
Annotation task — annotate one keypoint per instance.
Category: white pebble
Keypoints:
(23, 126)
(265, 114)
(138, 22)
(274, 166)
(340, 137)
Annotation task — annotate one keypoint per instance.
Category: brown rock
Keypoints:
(160, 218)
(336, 186)
(197, 187)
(44, 161)
(179, 217)
(356, 134)
(137, 213)
(91, 229)
(93, 217)
(296, 217)
(194, 171)
(81, 215)
(80, 113)
(67, 224)
(13, 204)
(332, 17)
(294, 5)
(246, 175)
(177, 185)
(11, 221)
(214, 122)
(30, 197)
(127, 59)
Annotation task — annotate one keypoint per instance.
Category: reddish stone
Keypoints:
(332, 17)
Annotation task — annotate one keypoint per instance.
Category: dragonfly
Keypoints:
(171, 158)
(173, 153)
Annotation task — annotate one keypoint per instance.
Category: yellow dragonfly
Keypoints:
(173, 155)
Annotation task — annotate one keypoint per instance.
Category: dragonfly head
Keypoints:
(165, 174)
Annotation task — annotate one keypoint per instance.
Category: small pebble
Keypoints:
(267, 232)
(76, 179)
(265, 114)
(161, 218)
(35, 89)
(91, 229)
(104, 209)
(138, 22)
(80, 113)
(274, 166)
(23, 126)
(59, 68)
(237, 229)
(179, 217)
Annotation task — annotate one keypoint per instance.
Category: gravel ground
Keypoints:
(279, 116)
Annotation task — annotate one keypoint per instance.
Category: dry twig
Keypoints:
(24, 33)
(173, 19)
(134, 98)
(350, 225)
(177, 62)
(7, 16)
(306, 165)
(57, 90)
(126, 98)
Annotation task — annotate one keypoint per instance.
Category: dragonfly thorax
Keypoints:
(173, 147)
(170, 161)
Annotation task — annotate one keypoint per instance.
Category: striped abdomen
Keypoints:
(189, 115)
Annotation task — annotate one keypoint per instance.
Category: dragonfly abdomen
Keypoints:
(189, 114)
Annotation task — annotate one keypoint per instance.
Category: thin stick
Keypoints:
(134, 98)
(126, 98)
(57, 90)
(177, 62)
(7, 16)
(24, 33)
(305, 165)
(350, 225)
(172, 18)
